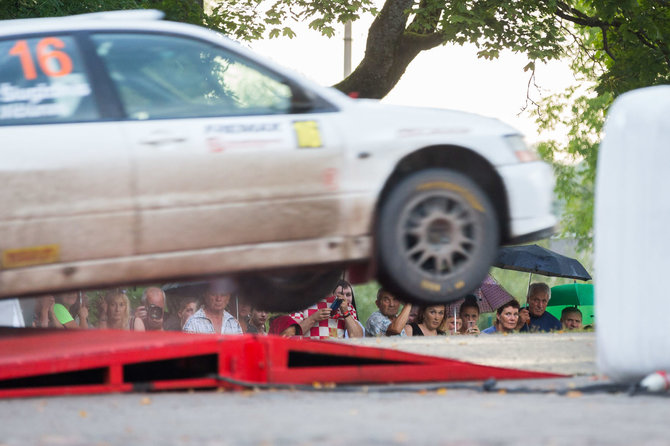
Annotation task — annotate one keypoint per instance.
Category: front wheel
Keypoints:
(436, 237)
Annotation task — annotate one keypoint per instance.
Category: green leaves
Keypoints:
(239, 19)
(16, 9)
(288, 32)
(628, 50)
(579, 114)
(321, 15)
(527, 27)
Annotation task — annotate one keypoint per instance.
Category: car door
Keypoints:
(65, 174)
(220, 158)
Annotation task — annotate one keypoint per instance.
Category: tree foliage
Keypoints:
(627, 38)
(614, 47)
(240, 19)
(581, 117)
(253, 19)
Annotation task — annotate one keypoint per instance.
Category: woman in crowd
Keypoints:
(343, 290)
(428, 322)
(334, 316)
(115, 311)
(507, 317)
(469, 313)
(62, 309)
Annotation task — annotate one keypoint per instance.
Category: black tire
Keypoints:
(282, 291)
(436, 237)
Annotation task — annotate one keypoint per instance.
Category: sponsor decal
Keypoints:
(251, 135)
(34, 255)
(42, 92)
(308, 134)
(52, 98)
(52, 62)
(217, 145)
(244, 128)
(25, 111)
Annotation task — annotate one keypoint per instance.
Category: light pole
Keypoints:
(347, 48)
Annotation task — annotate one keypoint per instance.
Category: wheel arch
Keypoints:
(459, 159)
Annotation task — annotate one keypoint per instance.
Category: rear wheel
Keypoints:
(286, 291)
(437, 236)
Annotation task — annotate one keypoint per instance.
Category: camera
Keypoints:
(154, 312)
(335, 306)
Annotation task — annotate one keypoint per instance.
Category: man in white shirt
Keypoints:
(212, 317)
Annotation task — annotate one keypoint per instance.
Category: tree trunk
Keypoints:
(390, 48)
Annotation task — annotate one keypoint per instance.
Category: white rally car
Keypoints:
(137, 150)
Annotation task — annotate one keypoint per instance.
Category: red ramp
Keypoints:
(35, 362)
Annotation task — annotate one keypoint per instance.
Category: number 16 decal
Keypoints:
(52, 62)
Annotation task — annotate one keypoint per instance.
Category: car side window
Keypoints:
(159, 76)
(43, 80)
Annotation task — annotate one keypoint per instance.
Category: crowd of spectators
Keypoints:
(214, 308)
(394, 319)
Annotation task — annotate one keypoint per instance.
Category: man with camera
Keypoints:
(149, 316)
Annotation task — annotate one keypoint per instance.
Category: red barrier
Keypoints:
(36, 362)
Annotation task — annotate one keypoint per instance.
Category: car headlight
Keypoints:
(518, 146)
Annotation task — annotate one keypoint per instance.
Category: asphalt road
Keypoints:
(552, 412)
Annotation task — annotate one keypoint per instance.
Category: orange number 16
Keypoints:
(52, 62)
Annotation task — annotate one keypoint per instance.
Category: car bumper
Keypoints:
(530, 191)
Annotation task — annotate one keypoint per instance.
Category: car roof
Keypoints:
(128, 20)
(134, 15)
(146, 19)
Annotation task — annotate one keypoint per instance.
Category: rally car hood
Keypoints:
(432, 120)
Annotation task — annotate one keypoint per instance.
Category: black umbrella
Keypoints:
(537, 260)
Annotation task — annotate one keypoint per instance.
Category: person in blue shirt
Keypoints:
(536, 318)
